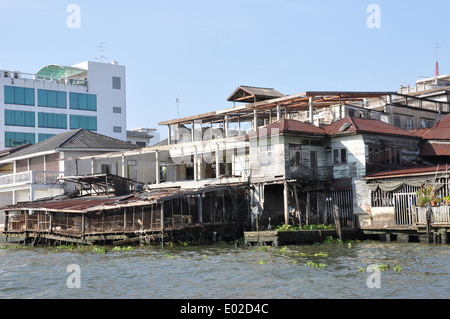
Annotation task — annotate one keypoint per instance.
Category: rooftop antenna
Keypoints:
(101, 48)
(178, 102)
(436, 72)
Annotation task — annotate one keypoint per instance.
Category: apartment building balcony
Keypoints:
(30, 177)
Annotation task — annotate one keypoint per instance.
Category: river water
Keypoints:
(326, 270)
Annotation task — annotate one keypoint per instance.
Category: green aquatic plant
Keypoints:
(118, 248)
(331, 240)
(316, 265)
(398, 268)
(99, 250)
(261, 262)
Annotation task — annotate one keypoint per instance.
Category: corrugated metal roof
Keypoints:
(87, 204)
(435, 149)
(420, 170)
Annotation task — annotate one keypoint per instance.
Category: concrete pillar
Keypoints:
(311, 111)
(169, 135)
(124, 174)
(195, 164)
(157, 168)
(278, 112)
(286, 203)
(217, 160)
(200, 208)
(255, 119)
(225, 126)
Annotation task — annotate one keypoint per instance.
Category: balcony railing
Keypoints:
(30, 177)
(439, 215)
(42, 78)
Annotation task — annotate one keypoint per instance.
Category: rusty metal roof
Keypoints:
(97, 203)
(420, 170)
(354, 125)
(435, 149)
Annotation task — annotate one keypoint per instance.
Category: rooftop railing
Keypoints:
(42, 78)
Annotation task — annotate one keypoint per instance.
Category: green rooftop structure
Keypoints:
(59, 71)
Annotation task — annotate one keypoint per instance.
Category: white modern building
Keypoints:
(89, 95)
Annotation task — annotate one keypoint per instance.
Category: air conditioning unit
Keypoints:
(16, 75)
(6, 74)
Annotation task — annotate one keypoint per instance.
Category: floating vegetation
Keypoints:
(261, 262)
(118, 248)
(316, 265)
(99, 250)
(383, 267)
(319, 254)
(331, 240)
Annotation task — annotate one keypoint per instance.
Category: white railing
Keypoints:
(43, 78)
(38, 177)
(439, 215)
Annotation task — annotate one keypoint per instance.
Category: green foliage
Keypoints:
(99, 250)
(331, 240)
(118, 248)
(315, 265)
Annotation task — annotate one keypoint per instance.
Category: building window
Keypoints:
(340, 156)
(295, 154)
(397, 121)
(409, 123)
(117, 129)
(19, 118)
(13, 139)
(141, 144)
(86, 122)
(43, 137)
(19, 95)
(424, 123)
(116, 83)
(266, 149)
(117, 110)
(47, 98)
(385, 155)
(81, 101)
(52, 120)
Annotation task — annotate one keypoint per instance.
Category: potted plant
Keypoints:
(447, 200)
(426, 194)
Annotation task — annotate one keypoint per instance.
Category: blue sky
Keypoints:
(201, 50)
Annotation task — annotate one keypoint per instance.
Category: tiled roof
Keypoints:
(286, 126)
(362, 125)
(77, 139)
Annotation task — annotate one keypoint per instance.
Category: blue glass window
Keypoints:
(19, 95)
(52, 120)
(86, 122)
(13, 139)
(19, 118)
(81, 101)
(48, 98)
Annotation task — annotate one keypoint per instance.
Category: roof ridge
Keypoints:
(74, 133)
